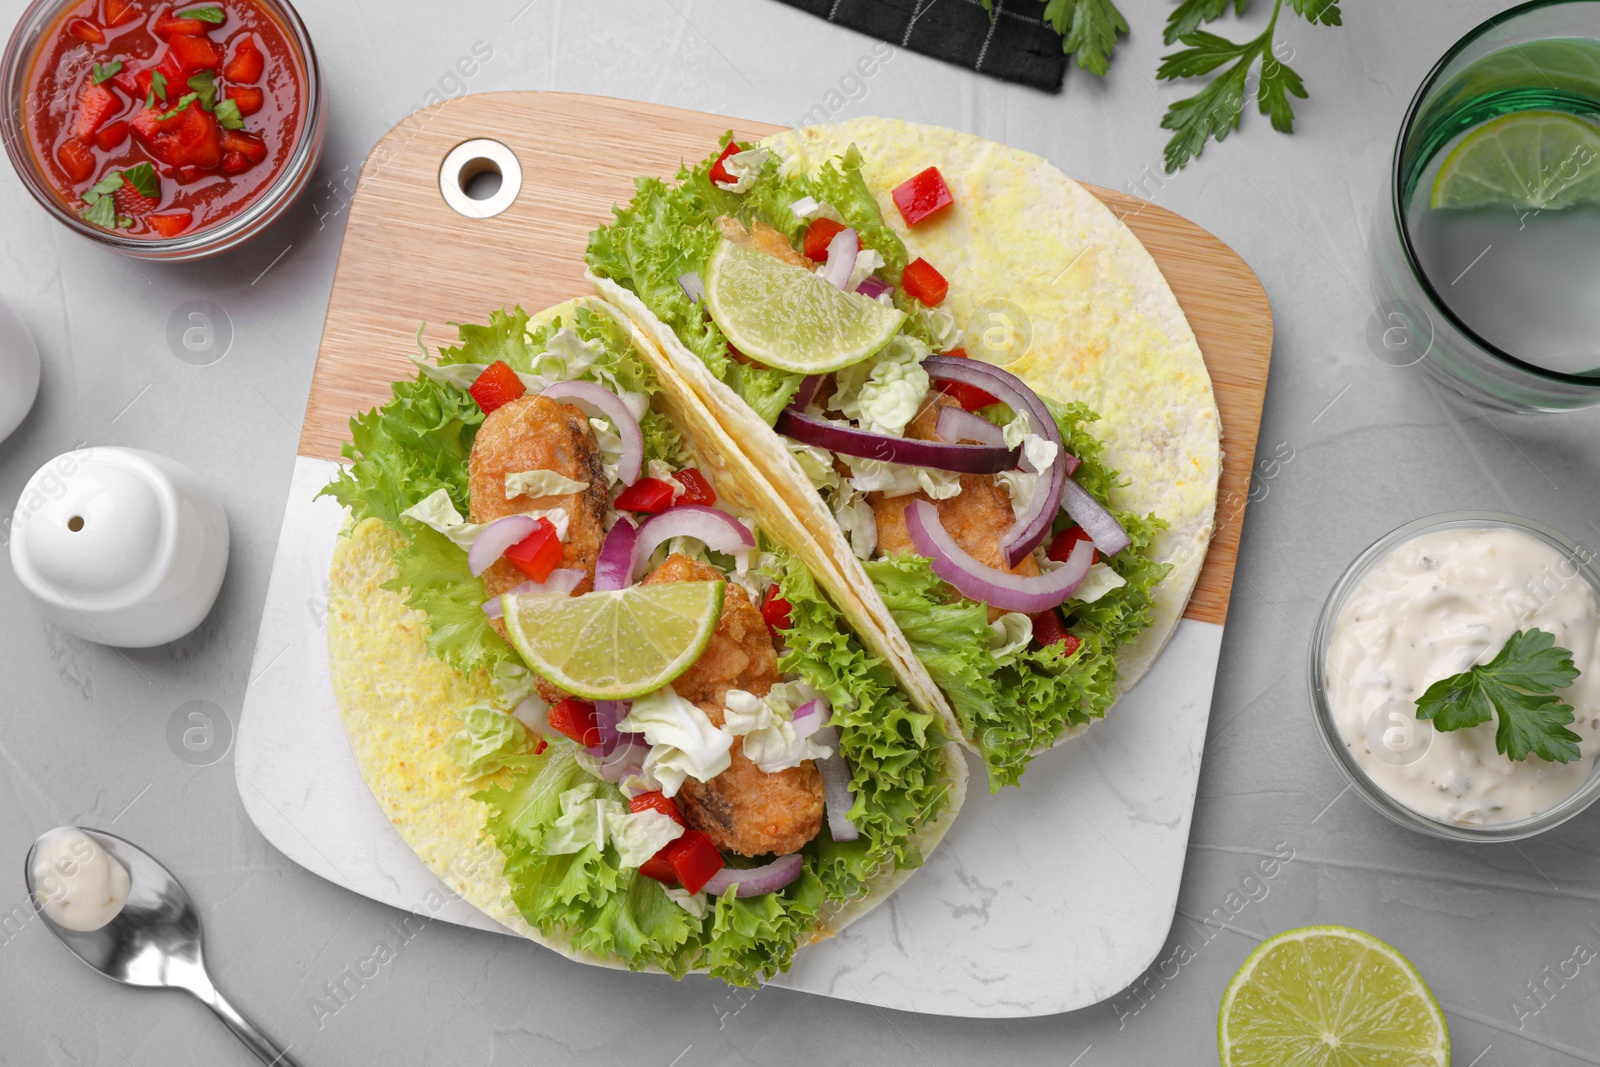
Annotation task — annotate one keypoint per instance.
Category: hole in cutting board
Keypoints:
(480, 178)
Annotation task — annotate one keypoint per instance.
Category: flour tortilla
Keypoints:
(398, 706)
(1027, 243)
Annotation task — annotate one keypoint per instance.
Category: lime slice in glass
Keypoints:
(1329, 996)
(1527, 161)
(784, 316)
(615, 645)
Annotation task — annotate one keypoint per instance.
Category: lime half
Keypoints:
(616, 645)
(1528, 161)
(787, 317)
(1329, 996)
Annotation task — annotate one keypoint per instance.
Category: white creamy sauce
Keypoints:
(79, 885)
(1436, 606)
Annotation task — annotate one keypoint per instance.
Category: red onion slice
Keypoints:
(1102, 526)
(997, 588)
(873, 288)
(1034, 524)
(607, 713)
(757, 881)
(717, 530)
(837, 796)
(807, 391)
(493, 540)
(842, 252)
(958, 424)
(599, 402)
(693, 287)
(940, 455)
(808, 717)
(614, 568)
(562, 581)
(622, 759)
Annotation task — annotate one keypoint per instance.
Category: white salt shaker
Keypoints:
(19, 371)
(120, 546)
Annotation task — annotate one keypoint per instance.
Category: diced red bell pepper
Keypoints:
(248, 99)
(922, 195)
(120, 12)
(248, 145)
(920, 280)
(247, 64)
(695, 859)
(778, 612)
(170, 25)
(96, 105)
(540, 746)
(696, 490)
(76, 159)
(1061, 545)
(660, 866)
(170, 223)
(111, 135)
(497, 385)
(719, 173)
(187, 141)
(958, 353)
(192, 54)
(86, 31)
(537, 554)
(649, 495)
(821, 232)
(970, 397)
(1049, 629)
(576, 719)
(658, 801)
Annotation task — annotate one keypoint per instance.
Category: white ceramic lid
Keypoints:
(100, 530)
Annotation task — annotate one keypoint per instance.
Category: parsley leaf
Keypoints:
(1215, 111)
(205, 83)
(209, 13)
(142, 176)
(103, 71)
(99, 208)
(228, 115)
(1519, 686)
(158, 87)
(183, 101)
(1088, 29)
(1187, 16)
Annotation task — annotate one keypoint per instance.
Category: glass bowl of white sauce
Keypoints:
(1430, 600)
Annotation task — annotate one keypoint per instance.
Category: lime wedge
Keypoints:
(1329, 996)
(616, 645)
(1528, 161)
(787, 317)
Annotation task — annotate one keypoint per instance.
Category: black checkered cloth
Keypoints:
(1016, 44)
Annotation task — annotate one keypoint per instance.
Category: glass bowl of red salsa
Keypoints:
(169, 132)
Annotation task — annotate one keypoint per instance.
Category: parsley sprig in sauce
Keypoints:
(1519, 686)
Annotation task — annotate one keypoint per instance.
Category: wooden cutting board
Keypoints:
(409, 257)
(1114, 806)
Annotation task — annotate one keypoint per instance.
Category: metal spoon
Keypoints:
(154, 941)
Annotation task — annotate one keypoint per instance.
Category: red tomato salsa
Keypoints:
(155, 121)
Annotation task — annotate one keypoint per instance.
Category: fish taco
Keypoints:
(590, 679)
(968, 378)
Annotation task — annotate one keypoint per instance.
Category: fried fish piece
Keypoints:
(740, 655)
(976, 518)
(762, 238)
(537, 433)
(746, 810)
(743, 809)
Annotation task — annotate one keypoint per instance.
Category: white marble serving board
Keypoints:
(1049, 897)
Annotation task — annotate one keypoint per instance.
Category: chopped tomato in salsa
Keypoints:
(155, 121)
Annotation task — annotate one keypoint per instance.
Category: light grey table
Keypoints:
(1350, 447)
